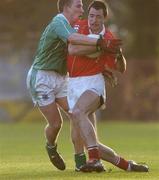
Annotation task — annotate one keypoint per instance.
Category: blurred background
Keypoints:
(136, 22)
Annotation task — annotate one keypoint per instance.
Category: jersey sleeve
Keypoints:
(62, 29)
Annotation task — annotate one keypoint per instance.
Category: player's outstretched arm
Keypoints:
(111, 46)
(80, 39)
(79, 50)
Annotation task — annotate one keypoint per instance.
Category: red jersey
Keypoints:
(85, 66)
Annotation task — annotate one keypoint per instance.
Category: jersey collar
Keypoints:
(62, 15)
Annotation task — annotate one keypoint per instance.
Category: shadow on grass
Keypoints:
(70, 175)
(57, 175)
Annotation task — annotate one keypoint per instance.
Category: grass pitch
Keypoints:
(23, 156)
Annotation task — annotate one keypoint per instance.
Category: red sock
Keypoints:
(93, 153)
(122, 164)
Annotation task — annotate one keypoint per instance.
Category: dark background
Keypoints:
(135, 21)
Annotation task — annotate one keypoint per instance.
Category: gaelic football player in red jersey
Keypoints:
(86, 91)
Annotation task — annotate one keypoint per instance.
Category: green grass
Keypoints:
(23, 156)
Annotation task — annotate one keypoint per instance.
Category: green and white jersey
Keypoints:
(52, 50)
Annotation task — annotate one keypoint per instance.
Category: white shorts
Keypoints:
(46, 86)
(78, 85)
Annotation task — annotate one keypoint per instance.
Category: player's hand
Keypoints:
(110, 78)
(119, 55)
(110, 46)
(120, 61)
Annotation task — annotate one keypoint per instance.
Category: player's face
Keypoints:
(96, 20)
(76, 10)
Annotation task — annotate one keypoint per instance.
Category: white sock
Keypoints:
(129, 167)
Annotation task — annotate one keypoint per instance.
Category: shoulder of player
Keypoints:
(81, 26)
(59, 19)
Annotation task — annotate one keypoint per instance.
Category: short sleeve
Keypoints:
(63, 29)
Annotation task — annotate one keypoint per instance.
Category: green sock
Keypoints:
(80, 159)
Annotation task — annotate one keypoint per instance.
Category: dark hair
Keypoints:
(62, 3)
(99, 4)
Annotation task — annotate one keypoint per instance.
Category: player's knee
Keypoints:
(55, 126)
(76, 113)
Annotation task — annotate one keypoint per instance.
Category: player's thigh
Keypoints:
(51, 113)
(62, 102)
(88, 102)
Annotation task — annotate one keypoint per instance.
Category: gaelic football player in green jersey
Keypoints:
(47, 80)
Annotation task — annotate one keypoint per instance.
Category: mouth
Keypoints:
(94, 25)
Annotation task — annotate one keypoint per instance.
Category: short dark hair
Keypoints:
(99, 4)
(62, 3)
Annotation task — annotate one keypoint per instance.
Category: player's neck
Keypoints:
(67, 16)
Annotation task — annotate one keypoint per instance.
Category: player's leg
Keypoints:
(109, 155)
(54, 122)
(88, 102)
(42, 86)
(93, 119)
(106, 153)
(54, 119)
(79, 156)
(52, 130)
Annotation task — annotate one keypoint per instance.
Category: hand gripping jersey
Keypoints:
(85, 66)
